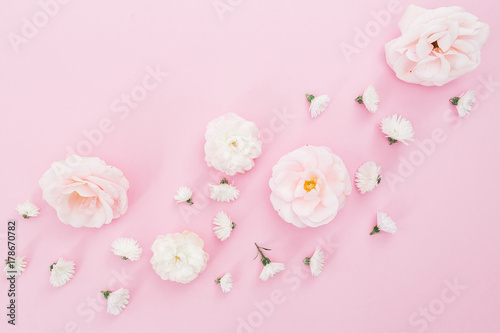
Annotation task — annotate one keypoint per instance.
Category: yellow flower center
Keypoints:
(310, 185)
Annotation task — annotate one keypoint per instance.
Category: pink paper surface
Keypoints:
(439, 272)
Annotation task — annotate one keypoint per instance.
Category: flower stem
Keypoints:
(124, 258)
(224, 181)
(375, 230)
(217, 280)
(379, 179)
(265, 260)
(391, 141)
(190, 201)
(359, 99)
(309, 98)
(307, 261)
(454, 100)
(233, 225)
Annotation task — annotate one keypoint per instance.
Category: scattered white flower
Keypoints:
(28, 209)
(117, 300)
(232, 144)
(226, 282)
(184, 194)
(397, 128)
(15, 268)
(270, 268)
(126, 248)
(224, 192)
(223, 226)
(384, 223)
(368, 177)
(464, 103)
(318, 104)
(61, 272)
(369, 98)
(316, 262)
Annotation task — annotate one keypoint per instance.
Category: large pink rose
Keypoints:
(436, 46)
(309, 186)
(85, 191)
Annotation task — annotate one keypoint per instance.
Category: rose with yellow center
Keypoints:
(309, 186)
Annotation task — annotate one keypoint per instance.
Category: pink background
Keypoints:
(258, 60)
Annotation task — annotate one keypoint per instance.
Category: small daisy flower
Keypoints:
(15, 268)
(368, 177)
(61, 272)
(397, 128)
(184, 194)
(464, 103)
(316, 262)
(384, 223)
(318, 104)
(117, 300)
(223, 226)
(28, 209)
(270, 268)
(126, 248)
(224, 192)
(369, 98)
(226, 282)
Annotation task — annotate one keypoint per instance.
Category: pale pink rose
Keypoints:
(309, 186)
(436, 46)
(85, 191)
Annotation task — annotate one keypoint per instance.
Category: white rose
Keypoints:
(232, 143)
(436, 46)
(179, 257)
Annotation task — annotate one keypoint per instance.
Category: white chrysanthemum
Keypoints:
(271, 269)
(224, 192)
(117, 300)
(126, 248)
(370, 99)
(464, 103)
(16, 267)
(28, 209)
(368, 177)
(223, 226)
(61, 272)
(226, 282)
(397, 128)
(179, 257)
(384, 223)
(316, 262)
(232, 144)
(318, 104)
(184, 194)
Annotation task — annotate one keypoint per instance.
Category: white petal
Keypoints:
(367, 177)
(317, 262)
(398, 128)
(223, 226)
(465, 103)
(126, 248)
(117, 301)
(385, 223)
(371, 99)
(223, 192)
(318, 105)
(183, 194)
(271, 270)
(16, 267)
(226, 282)
(28, 209)
(62, 271)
